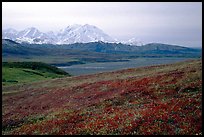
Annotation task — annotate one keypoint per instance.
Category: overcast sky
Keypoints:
(168, 22)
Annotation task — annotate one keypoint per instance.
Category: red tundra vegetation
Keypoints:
(156, 100)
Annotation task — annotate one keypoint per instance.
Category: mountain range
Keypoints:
(71, 34)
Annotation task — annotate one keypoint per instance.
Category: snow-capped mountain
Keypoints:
(29, 35)
(71, 34)
(82, 34)
(33, 35)
(9, 34)
(133, 42)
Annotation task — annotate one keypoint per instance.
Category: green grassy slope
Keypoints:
(22, 72)
(154, 100)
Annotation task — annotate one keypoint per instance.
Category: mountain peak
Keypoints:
(73, 26)
(77, 33)
(133, 42)
(31, 28)
(88, 25)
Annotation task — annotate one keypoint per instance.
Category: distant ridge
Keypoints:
(10, 47)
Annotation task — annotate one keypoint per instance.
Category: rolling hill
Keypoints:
(154, 100)
(51, 54)
(151, 49)
(23, 72)
(80, 53)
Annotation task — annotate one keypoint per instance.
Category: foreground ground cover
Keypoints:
(163, 99)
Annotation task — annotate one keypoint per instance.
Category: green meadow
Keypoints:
(23, 72)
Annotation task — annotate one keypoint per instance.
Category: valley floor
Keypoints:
(163, 99)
